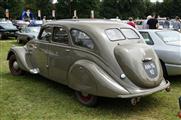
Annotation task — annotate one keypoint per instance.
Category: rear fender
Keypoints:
(86, 76)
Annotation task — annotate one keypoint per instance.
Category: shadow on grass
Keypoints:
(175, 79)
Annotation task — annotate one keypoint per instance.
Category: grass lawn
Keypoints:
(32, 97)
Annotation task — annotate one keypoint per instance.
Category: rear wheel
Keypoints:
(14, 67)
(86, 99)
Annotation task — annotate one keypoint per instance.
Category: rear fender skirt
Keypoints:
(86, 76)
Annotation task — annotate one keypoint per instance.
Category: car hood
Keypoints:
(29, 34)
(175, 43)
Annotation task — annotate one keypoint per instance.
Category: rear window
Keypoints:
(129, 33)
(114, 34)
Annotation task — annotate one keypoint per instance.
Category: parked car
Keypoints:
(20, 24)
(93, 57)
(27, 34)
(7, 29)
(167, 45)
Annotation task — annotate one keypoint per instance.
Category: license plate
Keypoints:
(150, 69)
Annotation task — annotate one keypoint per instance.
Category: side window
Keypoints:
(60, 35)
(81, 39)
(147, 38)
(46, 34)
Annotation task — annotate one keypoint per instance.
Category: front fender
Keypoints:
(21, 56)
(86, 76)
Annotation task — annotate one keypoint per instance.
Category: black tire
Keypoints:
(14, 69)
(87, 100)
(1, 36)
(165, 74)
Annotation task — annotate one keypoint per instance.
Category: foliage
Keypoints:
(15, 7)
(104, 9)
(122, 8)
(65, 8)
(84, 7)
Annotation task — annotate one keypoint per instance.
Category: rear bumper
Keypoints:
(173, 69)
(140, 93)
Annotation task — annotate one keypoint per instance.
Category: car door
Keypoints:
(60, 55)
(39, 50)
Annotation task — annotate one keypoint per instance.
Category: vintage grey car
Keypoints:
(167, 45)
(94, 58)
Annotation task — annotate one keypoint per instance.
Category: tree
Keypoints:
(166, 8)
(65, 8)
(109, 9)
(2, 8)
(122, 8)
(176, 7)
(44, 5)
(84, 7)
(15, 8)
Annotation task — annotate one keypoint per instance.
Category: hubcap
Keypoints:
(15, 65)
(85, 97)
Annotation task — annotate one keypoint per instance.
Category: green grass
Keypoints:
(32, 97)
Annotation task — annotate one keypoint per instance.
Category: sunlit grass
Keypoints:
(32, 97)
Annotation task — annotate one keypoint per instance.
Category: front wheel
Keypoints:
(86, 99)
(14, 67)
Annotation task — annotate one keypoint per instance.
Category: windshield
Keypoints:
(7, 26)
(169, 36)
(32, 30)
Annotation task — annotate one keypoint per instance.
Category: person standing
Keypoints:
(153, 22)
(145, 25)
(166, 24)
(177, 24)
(131, 22)
(44, 19)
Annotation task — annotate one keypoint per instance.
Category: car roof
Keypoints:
(150, 30)
(87, 22)
(154, 30)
